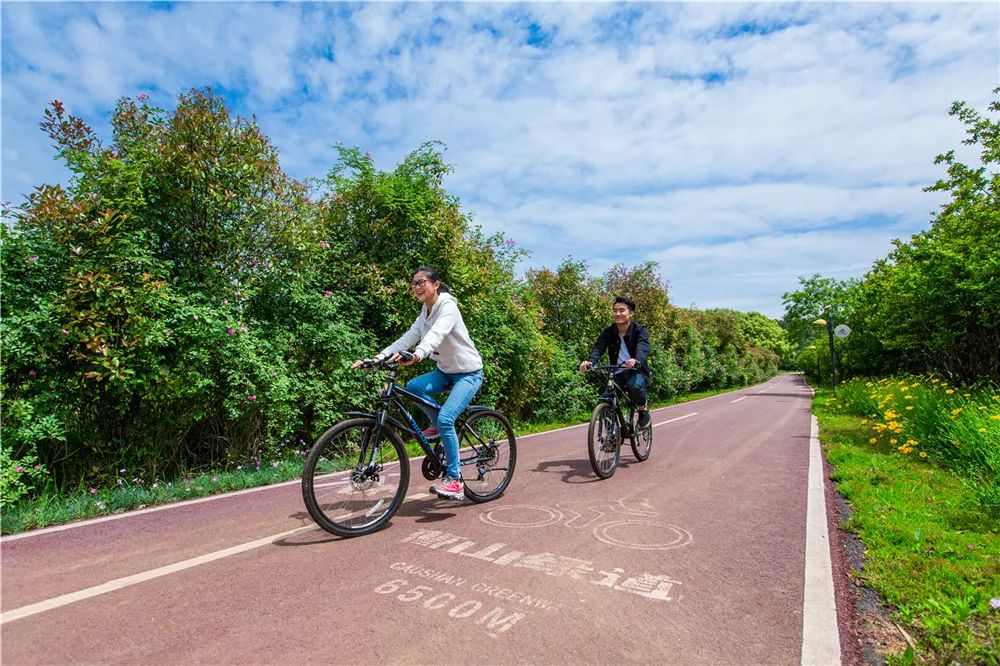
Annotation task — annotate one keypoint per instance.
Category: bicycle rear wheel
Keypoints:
(603, 443)
(642, 442)
(352, 485)
(488, 451)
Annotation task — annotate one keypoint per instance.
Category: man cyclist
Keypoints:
(627, 343)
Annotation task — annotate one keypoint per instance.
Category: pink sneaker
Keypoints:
(449, 489)
(432, 433)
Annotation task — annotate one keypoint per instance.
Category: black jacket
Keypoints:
(636, 339)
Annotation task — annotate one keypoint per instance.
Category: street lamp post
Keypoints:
(828, 322)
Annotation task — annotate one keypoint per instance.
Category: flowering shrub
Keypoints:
(17, 476)
(927, 418)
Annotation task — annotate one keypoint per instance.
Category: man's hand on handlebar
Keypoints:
(586, 365)
(630, 363)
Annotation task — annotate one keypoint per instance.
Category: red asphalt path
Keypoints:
(696, 556)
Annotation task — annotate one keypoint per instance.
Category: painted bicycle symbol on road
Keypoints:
(626, 523)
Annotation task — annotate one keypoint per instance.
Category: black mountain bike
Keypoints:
(608, 426)
(357, 473)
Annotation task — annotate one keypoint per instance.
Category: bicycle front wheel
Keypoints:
(488, 454)
(353, 484)
(603, 440)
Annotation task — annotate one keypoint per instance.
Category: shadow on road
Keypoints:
(574, 471)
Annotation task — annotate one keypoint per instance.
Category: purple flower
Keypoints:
(327, 294)
(93, 491)
(509, 242)
(64, 332)
(252, 398)
(324, 244)
(32, 373)
(995, 603)
(368, 154)
(971, 547)
(231, 331)
(143, 97)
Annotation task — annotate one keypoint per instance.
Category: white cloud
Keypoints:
(632, 132)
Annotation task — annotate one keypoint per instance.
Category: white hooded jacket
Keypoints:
(441, 335)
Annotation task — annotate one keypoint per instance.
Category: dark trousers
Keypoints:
(633, 383)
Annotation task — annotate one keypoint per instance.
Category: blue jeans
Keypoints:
(634, 384)
(465, 386)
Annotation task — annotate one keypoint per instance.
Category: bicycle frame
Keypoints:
(388, 399)
(614, 395)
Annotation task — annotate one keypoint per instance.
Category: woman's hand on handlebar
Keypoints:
(403, 358)
(586, 365)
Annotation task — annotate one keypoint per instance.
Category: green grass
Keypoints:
(52, 508)
(932, 550)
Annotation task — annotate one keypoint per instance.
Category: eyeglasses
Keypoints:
(418, 283)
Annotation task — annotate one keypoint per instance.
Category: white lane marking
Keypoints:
(676, 419)
(135, 579)
(820, 635)
(738, 399)
(212, 498)
(127, 581)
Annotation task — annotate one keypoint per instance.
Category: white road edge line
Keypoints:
(737, 399)
(820, 635)
(677, 419)
(212, 498)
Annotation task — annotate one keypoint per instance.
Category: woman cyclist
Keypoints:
(440, 332)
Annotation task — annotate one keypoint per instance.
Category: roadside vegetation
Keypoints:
(914, 433)
(932, 550)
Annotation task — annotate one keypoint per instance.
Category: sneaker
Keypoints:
(431, 433)
(449, 489)
(643, 418)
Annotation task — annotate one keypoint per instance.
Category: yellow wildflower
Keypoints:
(950, 391)
(872, 440)
(893, 441)
(956, 412)
(995, 417)
(869, 384)
(923, 454)
(982, 430)
(909, 407)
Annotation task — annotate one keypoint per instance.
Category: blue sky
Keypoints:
(738, 145)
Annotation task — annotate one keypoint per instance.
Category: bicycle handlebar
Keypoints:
(374, 363)
(606, 368)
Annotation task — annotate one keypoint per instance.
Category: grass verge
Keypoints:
(135, 493)
(931, 551)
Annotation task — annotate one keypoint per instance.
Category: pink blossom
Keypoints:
(20, 468)
(244, 329)
(38, 466)
(32, 373)
(93, 491)
(252, 398)
(324, 245)
(509, 242)
(368, 154)
(327, 294)
(231, 331)
(225, 301)
(31, 260)
(64, 332)
(143, 97)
